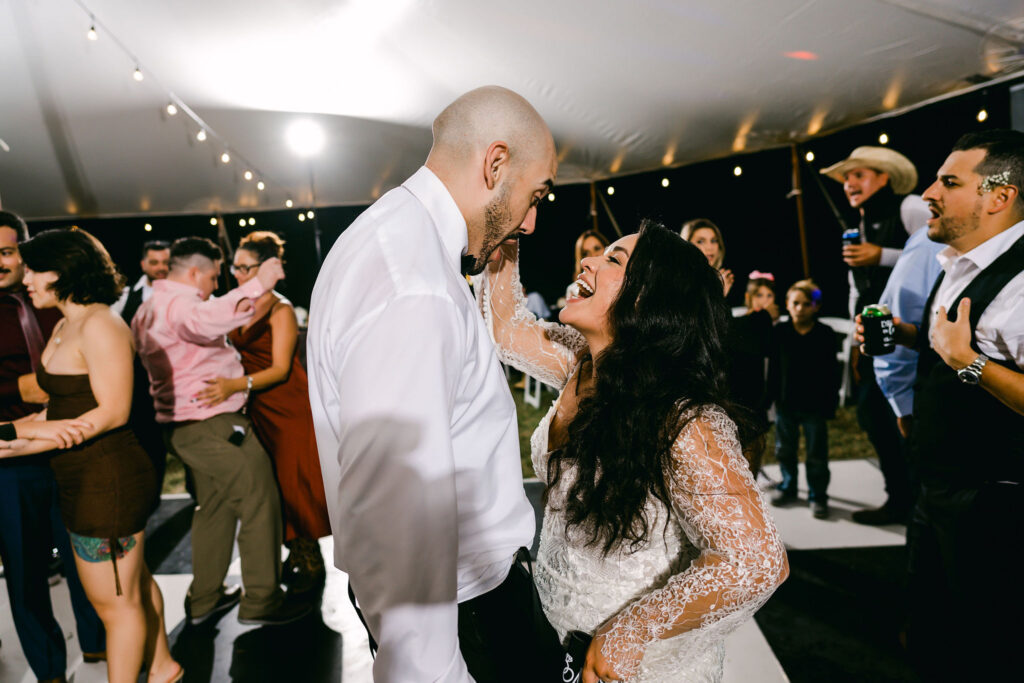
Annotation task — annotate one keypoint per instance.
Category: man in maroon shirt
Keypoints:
(30, 523)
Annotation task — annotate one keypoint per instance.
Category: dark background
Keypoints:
(759, 222)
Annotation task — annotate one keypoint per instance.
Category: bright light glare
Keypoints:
(260, 185)
(551, 196)
(248, 175)
(302, 217)
(611, 190)
(148, 227)
(225, 157)
(288, 203)
(201, 135)
(809, 156)
(213, 221)
(305, 137)
(309, 215)
(137, 75)
(171, 109)
(982, 115)
(241, 222)
(738, 171)
(883, 139)
(664, 182)
(252, 221)
(92, 35)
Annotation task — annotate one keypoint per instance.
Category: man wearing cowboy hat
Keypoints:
(877, 182)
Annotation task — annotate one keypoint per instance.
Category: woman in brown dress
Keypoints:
(105, 481)
(280, 412)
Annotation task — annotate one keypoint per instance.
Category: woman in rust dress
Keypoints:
(280, 412)
(105, 480)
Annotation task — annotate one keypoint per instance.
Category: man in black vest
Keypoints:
(155, 263)
(877, 182)
(965, 534)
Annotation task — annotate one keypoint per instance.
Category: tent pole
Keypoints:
(799, 195)
(593, 204)
(316, 219)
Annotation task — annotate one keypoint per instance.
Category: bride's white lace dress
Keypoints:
(674, 600)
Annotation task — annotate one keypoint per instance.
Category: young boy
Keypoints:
(803, 377)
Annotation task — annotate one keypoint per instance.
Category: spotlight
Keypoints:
(982, 115)
(883, 139)
(302, 217)
(248, 175)
(809, 156)
(225, 158)
(252, 221)
(260, 186)
(664, 182)
(241, 222)
(309, 215)
(137, 74)
(288, 203)
(551, 196)
(737, 171)
(611, 190)
(147, 227)
(305, 137)
(171, 109)
(213, 221)
(91, 34)
(201, 135)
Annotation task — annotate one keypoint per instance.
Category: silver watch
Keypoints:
(972, 373)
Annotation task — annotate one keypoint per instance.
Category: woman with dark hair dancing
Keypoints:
(106, 482)
(655, 538)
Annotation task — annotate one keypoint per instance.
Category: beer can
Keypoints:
(851, 236)
(879, 330)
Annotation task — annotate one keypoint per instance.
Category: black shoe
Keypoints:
(303, 572)
(781, 499)
(289, 611)
(880, 516)
(819, 509)
(229, 597)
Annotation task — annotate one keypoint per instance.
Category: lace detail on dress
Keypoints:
(668, 606)
(545, 350)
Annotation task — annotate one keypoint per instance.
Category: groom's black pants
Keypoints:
(966, 581)
(504, 635)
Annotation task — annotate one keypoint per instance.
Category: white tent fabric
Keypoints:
(625, 86)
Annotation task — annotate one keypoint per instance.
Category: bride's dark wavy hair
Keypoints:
(669, 325)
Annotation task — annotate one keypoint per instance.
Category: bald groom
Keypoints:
(415, 424)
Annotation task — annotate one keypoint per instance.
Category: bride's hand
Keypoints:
(598, 668)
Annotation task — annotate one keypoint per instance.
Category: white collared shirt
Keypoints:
(416, 429)
(1000, 331)
(142, 283)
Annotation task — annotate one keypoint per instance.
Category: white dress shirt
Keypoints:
(416, 429)
(142, 283)
(1000, 330)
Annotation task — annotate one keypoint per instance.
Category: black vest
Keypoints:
(131, 304)
(963, 434)
(881, 225)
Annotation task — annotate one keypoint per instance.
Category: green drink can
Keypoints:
(879, 330)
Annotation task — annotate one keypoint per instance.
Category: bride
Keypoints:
(655, 538)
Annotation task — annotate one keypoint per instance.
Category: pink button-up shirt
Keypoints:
(182, 342)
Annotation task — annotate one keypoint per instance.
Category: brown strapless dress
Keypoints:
(107, 485)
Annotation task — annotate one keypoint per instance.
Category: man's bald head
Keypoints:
(480, 117)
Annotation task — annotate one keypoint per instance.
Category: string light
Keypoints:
(260, 186)
(147, 227)
(883, 139)
(611, 190)
(201, 135)
(664, 182)
(92, 35)
(288, 203)
(737, 171)
(213, 221)
(137, 74)
(225, 158)
(982, 115)
(252, 221)
(247, 175)
(309, 215)
(551, 196)
(171, 109)
(302, 217)
(809, 156)
(241, 222)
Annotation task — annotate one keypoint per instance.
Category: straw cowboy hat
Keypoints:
(902, 174)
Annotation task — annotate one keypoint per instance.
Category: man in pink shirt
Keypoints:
(180, 335)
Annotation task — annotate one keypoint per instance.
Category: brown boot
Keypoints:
(304, 571)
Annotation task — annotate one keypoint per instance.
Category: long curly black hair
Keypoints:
(669, 324)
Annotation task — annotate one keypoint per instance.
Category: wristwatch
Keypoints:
(972, 373)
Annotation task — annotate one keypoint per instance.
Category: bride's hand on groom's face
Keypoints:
(597, 668)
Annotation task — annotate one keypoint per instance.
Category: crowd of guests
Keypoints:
(104, 380)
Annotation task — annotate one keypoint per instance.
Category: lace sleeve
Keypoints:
(545, 350)
(742, 559)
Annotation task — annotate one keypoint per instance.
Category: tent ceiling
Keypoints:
(625, 86)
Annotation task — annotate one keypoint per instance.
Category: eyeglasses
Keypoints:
(245, 270)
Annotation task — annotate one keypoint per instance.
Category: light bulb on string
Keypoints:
(241, 222)
(309, 215)
(883, 139)
(171, 109)
(288, 203)
(147, 227)
(809, 156)
(664, 182)
(611, 190)
(551, 196)
(91, 34)
(137, 74)
(260, 186)
(982, 115)
(201, 135)
(213, 221)
(302, 217)
(247, 175)
(737, 171)
(225, 158)
(252, 221)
